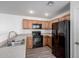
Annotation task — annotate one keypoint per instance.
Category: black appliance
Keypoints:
(61, 39)
(36, 26)
(37, 39)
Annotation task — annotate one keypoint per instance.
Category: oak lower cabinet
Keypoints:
(47, 41)
(29, 42)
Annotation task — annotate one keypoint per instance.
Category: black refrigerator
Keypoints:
(61, 31)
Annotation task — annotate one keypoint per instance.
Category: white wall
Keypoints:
(10, 23)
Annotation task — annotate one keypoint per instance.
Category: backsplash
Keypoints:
(29, 31)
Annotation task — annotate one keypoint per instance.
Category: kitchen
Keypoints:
(45, 38)
(35, 31)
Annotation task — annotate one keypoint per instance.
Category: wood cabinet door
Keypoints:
(34, 21)
(50, 42)
(47, 25)
(50, 25)
(45, 39)
(30, 24)
(39, 22)
(43, 25)
(25, 24)
(29, 42)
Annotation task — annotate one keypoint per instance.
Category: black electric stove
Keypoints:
(37, 39)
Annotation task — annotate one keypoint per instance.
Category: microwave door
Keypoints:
(38, 26)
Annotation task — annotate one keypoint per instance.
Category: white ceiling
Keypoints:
(39, 7)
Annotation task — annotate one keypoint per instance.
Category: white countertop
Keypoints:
(13, 52)
(17, 51)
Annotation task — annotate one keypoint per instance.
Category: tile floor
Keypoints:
(42, 52)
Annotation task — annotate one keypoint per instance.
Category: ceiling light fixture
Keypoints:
(46, 14)
(31, 12)
(50, 3)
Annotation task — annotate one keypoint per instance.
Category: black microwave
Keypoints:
(36, 26)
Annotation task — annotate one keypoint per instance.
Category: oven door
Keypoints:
(37, 41)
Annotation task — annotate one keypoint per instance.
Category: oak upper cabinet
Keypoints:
(43, 24)
(29, 42)
(25, 24)
(39, 22)
(46, 24)
(34, 21)
(29, 24)
(50, 25)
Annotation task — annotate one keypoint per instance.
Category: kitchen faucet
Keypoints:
(10, 37)
(11, 33)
